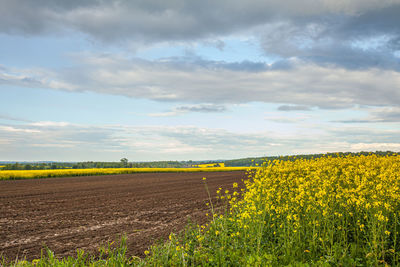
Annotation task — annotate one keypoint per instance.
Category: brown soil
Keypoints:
(66, 214)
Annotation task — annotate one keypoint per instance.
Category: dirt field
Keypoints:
(85, 212)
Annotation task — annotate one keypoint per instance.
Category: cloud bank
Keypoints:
(322, 31)
(154, 20)
(301, 85)
(329, 54)
(77, 142)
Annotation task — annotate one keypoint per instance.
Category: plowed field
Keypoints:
(66, 214)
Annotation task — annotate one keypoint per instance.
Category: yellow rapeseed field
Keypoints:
(209, 165)
(328, 207)
(330, 211)
(29, 174)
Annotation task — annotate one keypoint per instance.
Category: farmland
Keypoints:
(340, 211)
(86, 212)
(33, 174)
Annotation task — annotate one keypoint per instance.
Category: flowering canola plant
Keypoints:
(341, 208)
(331, 210)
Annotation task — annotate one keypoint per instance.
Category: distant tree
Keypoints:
(124, 162)
(28, 167)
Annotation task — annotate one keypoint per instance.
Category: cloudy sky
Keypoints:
(179, 80)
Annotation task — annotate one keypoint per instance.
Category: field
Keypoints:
(32, 174)
(210, 165)
(327, 211)
(86, 212)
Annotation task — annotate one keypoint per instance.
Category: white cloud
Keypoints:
(377, 115)
(16, 130)
(12, 118)
(376, 146)
(322, 31)
(52, 145)
(303, 84)
(180, 110)
(50, 123)
(111, 142)
(284, 119)
(154, 20)
(165, 114)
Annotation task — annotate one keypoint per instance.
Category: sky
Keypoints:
(96, 80)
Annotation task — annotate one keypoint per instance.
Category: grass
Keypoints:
(34, 174)
(108, 256)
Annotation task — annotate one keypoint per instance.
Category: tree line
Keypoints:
(124, 163)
